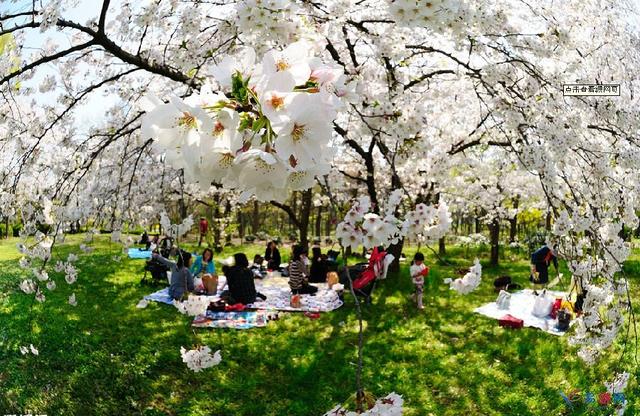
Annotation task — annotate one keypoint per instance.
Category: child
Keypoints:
(418, 271)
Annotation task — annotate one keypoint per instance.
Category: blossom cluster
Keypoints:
(193, 305)
(427, 223)
(361, 227)
(469, 282)
(200, 358)
(30, 349)
(266, 131)
(390, 405)
(175, 230)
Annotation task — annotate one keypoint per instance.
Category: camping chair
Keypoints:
(365, 282)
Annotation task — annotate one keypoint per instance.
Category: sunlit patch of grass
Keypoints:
(106, 357)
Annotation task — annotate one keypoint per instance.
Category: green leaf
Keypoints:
(239, 87)
(192, 72)
(259, 124)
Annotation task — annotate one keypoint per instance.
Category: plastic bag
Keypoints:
(504, 300)
(542, 305)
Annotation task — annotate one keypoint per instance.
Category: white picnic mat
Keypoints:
(521, 306)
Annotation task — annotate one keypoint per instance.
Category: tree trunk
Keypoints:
(478, 225)
(319, 221)
(305, 214)
(513, 222)
(494, 231)
(513, 228)
(240, 225)
(255, 218)
(396, 250)
(547, 225)
(637, 232)
(442, 249)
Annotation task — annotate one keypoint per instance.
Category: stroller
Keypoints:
(365, 275)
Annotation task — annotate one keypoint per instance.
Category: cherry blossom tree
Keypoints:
(264, 97)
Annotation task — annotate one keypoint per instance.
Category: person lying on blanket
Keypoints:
(181, 277)
(242, 288)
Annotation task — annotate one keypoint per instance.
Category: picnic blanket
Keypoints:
(136, 253)
(521, 306)
(162, 295)
(278, 294)
(236, 320)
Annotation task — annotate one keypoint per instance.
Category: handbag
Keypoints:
(542, 305)
(210, 283)
(504, 300)
(564, 317)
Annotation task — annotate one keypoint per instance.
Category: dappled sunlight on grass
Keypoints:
(105, 356)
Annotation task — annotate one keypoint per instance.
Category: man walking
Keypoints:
(204, 228)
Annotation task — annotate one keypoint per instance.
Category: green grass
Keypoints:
(105, 357)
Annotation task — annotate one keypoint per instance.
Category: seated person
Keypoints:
(144, 239)
(298, 281)
(204, 264)
(181, 277)
(272, 256)
(256, 266)
(319, 266)
(204, 271)
(242, 288)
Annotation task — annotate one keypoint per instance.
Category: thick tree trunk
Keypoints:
(478, 225)
(396, 250)
(319, 221)
(494, 231)
(442, 249)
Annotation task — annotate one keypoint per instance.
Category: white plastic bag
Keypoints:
(542, 305)
(504, 300)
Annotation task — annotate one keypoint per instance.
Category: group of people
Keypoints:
(241, 286)
(240, 277)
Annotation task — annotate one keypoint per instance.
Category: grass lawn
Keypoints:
(105, 357)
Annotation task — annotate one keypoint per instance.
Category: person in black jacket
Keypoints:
(319, 266)
(540, 261)
(272, 256)
(242, 288)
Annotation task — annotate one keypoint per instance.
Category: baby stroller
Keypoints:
(365, 275)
